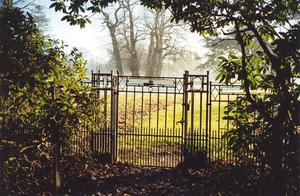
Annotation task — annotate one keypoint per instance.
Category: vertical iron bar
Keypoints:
(142, 108)
(117, 118)
(166, 109)
(210, 130)
(133, 126)
(126, 103)
(133, 111)
(150, 130)
(105, 130)
(157, 109)
(142, 131)
(150, 96)
(157, 128)
(206, 115)
(174, 131)
(192, 141)
(125, 136)
(219, 120)
(200, 116)
(112, 115)
(166, 139)
(227, 129)
(149, 146)
(174, 111)
(228, 114)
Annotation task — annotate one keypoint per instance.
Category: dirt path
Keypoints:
(123, 179)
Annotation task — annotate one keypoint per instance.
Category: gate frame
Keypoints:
(206, 89)
(187, 89)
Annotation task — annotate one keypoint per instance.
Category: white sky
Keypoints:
(94, 39)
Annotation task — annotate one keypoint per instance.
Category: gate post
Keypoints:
(114, 117)
(185, 111)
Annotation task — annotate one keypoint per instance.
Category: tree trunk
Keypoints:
(276, 162)
(159, 64)
(150, 68)
(116, 49)
(278, 129)
(134, 63)
(159, 47)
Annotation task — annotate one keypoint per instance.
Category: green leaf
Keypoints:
(65, 18)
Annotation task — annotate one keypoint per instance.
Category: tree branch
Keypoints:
(244, 63)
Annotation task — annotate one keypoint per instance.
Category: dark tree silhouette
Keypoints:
(42, 101)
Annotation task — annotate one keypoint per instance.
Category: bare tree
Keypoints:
(131, 35)
(164, 39)
(40, 17)
(149, 65)
(112, 21)
(127, 31)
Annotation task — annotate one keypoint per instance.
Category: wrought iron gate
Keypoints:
(152, 121)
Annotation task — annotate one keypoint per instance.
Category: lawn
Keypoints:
(150, 132)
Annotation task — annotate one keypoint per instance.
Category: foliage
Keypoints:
(42, 100)
(265, 124)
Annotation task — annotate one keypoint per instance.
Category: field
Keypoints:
(150, 129)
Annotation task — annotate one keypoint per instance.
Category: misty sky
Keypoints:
(94, 40)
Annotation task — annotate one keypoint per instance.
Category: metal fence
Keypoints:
(158, 121)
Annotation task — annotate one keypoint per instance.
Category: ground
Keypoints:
(82, 176)
(125, 179)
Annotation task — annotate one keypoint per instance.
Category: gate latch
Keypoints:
(180, 122)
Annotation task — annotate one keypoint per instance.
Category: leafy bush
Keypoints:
(42, 100)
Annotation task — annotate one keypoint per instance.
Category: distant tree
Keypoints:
(217, 47)
(164, 41)
(128, 34)
(131, 35)
(113, 21)
(38, 13)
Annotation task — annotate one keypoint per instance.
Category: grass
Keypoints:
(149, 132)
(145, 111)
